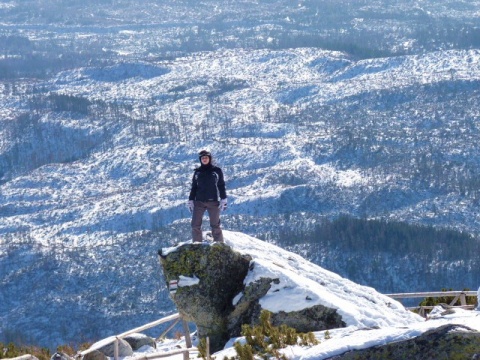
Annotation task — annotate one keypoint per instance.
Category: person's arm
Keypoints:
(193, 189)
(221, 185)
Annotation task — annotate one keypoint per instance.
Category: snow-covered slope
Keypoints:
(296, 131)
(303, 285)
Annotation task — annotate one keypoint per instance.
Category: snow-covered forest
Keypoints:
(313, 113)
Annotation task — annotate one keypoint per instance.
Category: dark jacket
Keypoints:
(208, 184)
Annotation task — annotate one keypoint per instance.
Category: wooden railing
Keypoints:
(457, 296)
(23, 357)
(115, 339)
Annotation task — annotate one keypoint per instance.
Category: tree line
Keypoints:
(373, 236)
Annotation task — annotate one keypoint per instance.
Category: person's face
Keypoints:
(205, 160)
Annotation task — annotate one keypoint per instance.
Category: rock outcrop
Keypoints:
(221, 287)
(136, 341)
(445, 342)
(212, 293)
(208, 301)
(95, 355)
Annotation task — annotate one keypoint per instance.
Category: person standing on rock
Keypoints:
(207, 194)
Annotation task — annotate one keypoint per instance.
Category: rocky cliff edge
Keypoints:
(219, 287)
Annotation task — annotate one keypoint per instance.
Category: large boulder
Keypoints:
(95, 355)
(207, 284)
(221, 287)
(248, 309)
(108, 349)
(443, 343)
(216, 276)
(138, 340)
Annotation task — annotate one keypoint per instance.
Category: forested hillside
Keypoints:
(390, 256)
(313, 113)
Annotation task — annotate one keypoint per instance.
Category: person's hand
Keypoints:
(223, 205)
(190, 205)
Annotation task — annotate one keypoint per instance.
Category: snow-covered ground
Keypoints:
(267, 157)
(296, 131)
(372, 318)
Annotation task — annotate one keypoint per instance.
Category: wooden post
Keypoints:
(115, 349)
(455, 299)
(463, 299)
(421, 312)
(168, 329)
(186, 330)
(207, 347)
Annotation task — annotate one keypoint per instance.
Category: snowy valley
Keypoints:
(96, 158)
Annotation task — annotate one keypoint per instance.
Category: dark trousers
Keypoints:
(213, 213)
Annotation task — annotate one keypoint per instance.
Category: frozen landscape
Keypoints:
(312, 114)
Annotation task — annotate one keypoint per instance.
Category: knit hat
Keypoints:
(204, 153)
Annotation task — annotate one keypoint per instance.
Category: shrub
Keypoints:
(202, 348)
(265, 340)
(10, 350)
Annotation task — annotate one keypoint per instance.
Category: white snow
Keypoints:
(116, 186)
(277, 156)
(372, 318)
(303, 284)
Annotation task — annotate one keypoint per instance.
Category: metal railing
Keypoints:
(116, 339)
(457, 296)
